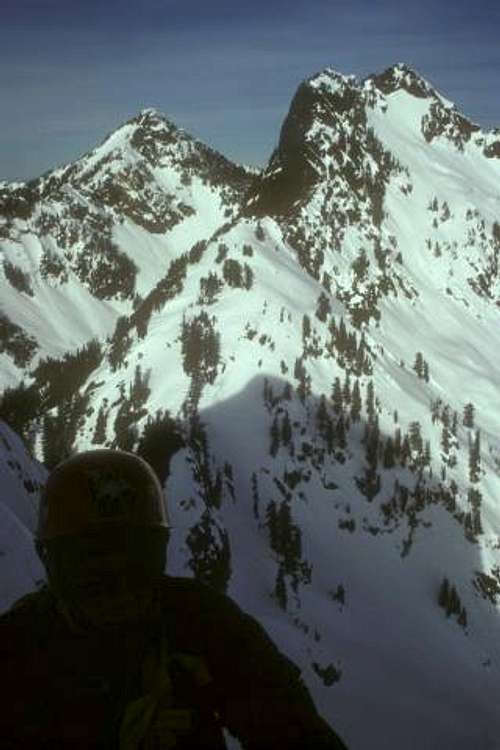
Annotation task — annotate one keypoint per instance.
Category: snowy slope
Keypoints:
(328, 355)
(88, 240)
(20, 479)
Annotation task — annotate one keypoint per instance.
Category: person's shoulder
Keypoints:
(26, 605)
(188, 589)
(25, 615)
(192, 594)
(181, 584)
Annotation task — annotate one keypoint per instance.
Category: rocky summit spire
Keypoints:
(402, 77)
(323, 105)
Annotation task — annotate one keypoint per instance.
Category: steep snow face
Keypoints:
(21, 478)
(315, 382)
(95, 236)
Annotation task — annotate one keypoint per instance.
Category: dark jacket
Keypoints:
(63, 690)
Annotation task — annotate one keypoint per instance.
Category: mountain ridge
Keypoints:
(313, 359)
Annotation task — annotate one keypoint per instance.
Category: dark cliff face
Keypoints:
(290, 174)
(298, 164)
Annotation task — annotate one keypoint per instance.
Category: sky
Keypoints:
(72, 71)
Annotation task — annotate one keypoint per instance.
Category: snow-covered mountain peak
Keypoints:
(403, 77)
(150, 113)
(431, 114)
(330, 80)
(154, 119)
(323, 107)
(148, 141)
(98, 234)
(325, 139)
(338, 128)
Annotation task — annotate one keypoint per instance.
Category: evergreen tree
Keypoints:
(418, 365)
(435, 409)
(304, 389)
(339, 594)
(329, 436)
(341, 337)
(222, 251)
(405, 452)
(359, 362)
(280, 589)
(200, 347)
(388, 459)
(337, 397)
(352, 346)
(232, 272)
(210, 287)
(475, 458)
(427, 453)
(445, 440)
(444, 594)
(323, 309)
(19, 406)
(321, 415)
(275, 437)
(346, 391)
(340, 433)
(306, 328)
(160, 440)
(462, 619)
(119, 343)
(255, 495)
(371, 440)
(51, 447)
(139, 389)
(397, 442)
(426, 372)
(248, 280)
(415, 437)
(286, 430)
(370, 400)
(99, 437)
(469, 414)
(356, 402)
(453, 603)
(477, 526)
(299, 369)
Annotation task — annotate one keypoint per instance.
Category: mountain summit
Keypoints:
(402, 77)
(308, 357)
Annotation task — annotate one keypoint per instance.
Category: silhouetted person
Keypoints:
(114, 654)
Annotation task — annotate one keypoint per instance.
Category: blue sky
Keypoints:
(71, 72)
